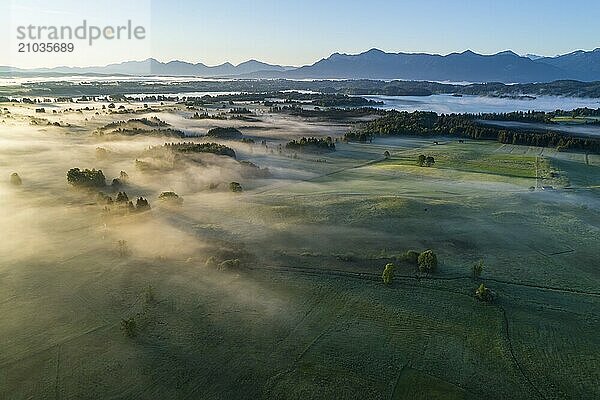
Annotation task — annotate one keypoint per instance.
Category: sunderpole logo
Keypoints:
(52, 38)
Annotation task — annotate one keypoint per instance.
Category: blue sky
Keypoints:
(295, 32)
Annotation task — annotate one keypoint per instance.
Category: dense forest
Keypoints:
(312, 144)
(189, 147)
(422, 123)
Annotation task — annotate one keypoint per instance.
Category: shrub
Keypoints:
(427, 261)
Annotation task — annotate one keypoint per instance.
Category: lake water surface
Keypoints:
(446, 104)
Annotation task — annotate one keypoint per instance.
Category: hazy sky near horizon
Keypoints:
(298, 32)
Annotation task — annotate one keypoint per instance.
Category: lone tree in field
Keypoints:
(15, 179)
(123, 248)
(122, 197)
(388, 273)
(429, 161)
(421, 160)
(149, 295)
(427, 261)
(142, 204)
(483, 293)
(477, 269)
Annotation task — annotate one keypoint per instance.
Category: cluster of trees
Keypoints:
(288, 97)
(224, 133)
(87, 178)
(312, 144)
(167, 132)
(425, 161)
(120, 181)
(235, 187)
(517, 116)
(342, 100)
(150, 122)
(233, 264)
(539, 116)
(190, 147)
(250, 170)
(122, 200)
(170, 197)
(426, 262)
(239, 110)
(132, 326)
(328, 113)
(482, 293)
(422, 123)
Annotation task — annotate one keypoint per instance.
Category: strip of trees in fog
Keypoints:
(425, 123)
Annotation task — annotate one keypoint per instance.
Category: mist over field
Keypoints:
(262, 256)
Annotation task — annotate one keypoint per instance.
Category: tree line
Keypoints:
(425, 123)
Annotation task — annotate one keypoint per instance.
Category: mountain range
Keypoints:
(506, 67)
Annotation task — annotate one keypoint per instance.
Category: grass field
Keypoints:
(307, 315)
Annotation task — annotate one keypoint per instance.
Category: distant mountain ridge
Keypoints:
(505, 67)
(152, 66)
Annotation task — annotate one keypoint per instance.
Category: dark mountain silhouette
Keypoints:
(505, 67)
(467, 66)
(581, 65)
(151, 66)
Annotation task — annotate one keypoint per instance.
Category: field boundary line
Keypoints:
(512, 353)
